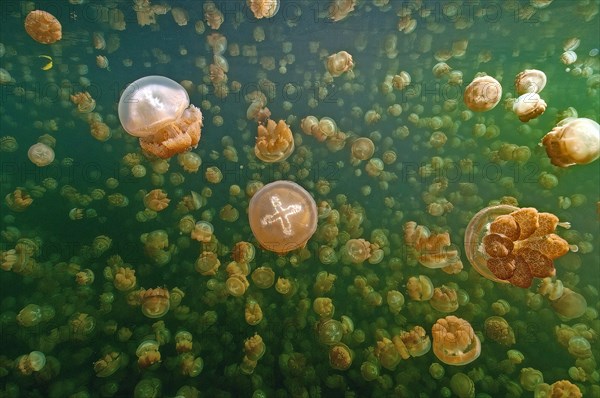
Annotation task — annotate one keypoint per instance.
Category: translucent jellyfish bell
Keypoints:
(150, 103)
(283, 216)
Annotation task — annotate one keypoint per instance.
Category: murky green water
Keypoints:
(498, 38)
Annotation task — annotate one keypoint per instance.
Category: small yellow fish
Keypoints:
(49, 65)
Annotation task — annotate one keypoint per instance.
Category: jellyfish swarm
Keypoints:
(283, 216)
(158, 111)
(508, 244)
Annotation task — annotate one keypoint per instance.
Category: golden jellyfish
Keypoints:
(124, 279)
(512, 245)
(339, 9)
(84, 101)
(155, 302)
(357, 250)
(156, 200)
(19, 200)
(213, 16)
(419, 288)
(43, 27)
(530, 81)
(203, 231)
(569, 305)
(253, 313)
(263, 277)
(108, 364)
(207, 263)
(454, 341)
(444, 299)
(263, 8)
(573, 141)
(564, 388)
(147, 353)
(339, 63)
(497, 329)
(416, 341)
(432, 250)
(529, 106)
(340, 356)
(283, 216)
(483, 94)
(157, 111)
(40, 154)
(362, 148)
(274, 142)
(32, 362)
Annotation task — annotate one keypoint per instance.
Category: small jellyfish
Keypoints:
(274, 142)
(33, 362)
(263, 8)
(157, 110)
(483, 94)
(156, 200)
(573, 141)
(339, 63)
(40, 154)
(339, 9)
(362, 148)
(155, 302)
(283, 216)
(454, 341)
(340, 356)
(530, 81)
(529, 106)
(497, 329)
(43, 27)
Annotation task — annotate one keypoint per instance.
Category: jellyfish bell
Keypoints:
(41, 154)
(43, 27)
(157, 110)
(529, 106)
(283, 216)
(530, 81)
(482, 94)
(573, 141)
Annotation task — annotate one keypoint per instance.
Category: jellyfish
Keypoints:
(156, 200)
(432, 250)
(497, 329)
(157, 111)
(32, 362)
(340, 356)
(41, 154)
(530, 81)
(283, 216)
(43, 27)
(147, 353)
(155, 302)
(274, 142)
(263, 8)
(362, 148)
(573, 141)
(444, 299)
(108, 364)
(339, 63)
(454, 341)
(512, 245)
(529, 106)
(483, 94)
(339, 9)
(263, 277)
(416, 341)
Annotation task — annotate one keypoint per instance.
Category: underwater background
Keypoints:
(88, 210)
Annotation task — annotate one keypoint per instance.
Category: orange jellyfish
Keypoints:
(283, 216)
(43, 27)
(155, 302)
(158, 111)
(263, 8)
(339, 63)
(483, 94)
(274, 142)
(454, 341)
(432, 250)
(573, 141)
(339, 9)
(508, 244)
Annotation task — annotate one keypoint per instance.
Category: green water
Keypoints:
(501, 43)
